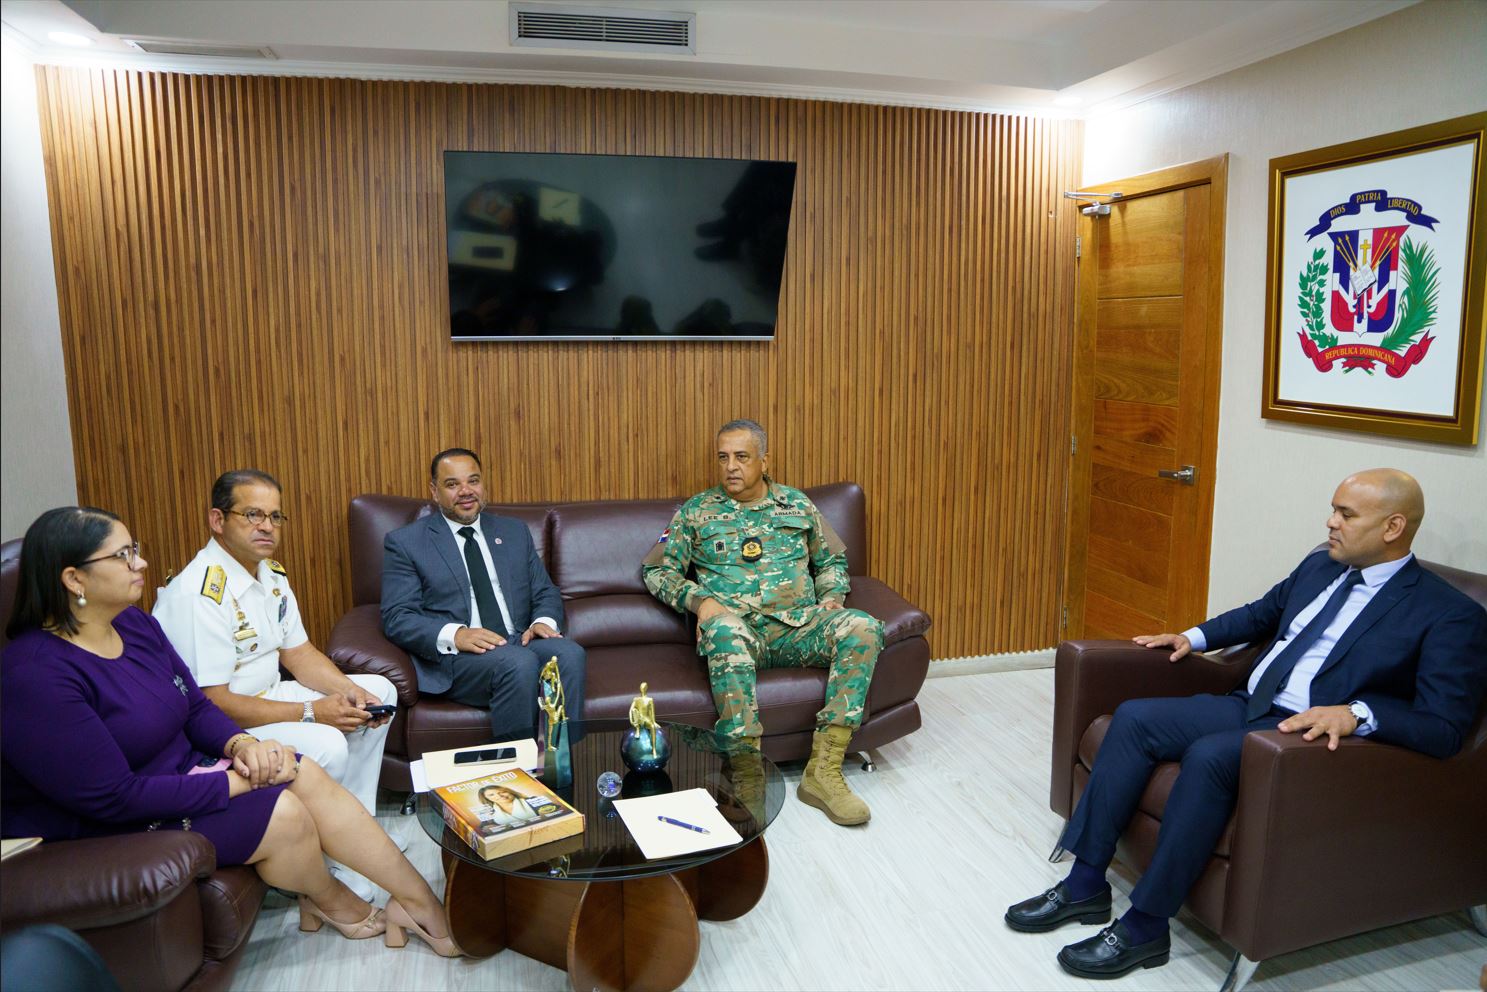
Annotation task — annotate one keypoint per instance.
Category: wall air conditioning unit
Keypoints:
(607, 29)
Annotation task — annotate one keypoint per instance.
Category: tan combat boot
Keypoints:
(823, 786)
(746, 781)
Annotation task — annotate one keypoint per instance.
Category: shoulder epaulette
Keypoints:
(274, 566)
(214, 583)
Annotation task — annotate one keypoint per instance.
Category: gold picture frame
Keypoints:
(1376, 273)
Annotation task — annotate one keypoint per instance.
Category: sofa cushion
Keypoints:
(437, 725)
(624, 619)
(676, 676)
(1154, 799)
(845, 507)
(597, 548)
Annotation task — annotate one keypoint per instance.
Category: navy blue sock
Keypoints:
(1085, 880)
(1143, 927)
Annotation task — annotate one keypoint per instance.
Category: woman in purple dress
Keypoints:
(104, 731)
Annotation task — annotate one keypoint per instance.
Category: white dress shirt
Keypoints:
(446, 635)
(1296, 693)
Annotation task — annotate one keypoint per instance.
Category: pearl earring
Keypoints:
(82, 600)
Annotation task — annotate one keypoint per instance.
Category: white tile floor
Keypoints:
(960, 828)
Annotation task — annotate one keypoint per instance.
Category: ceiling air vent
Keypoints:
(209, 51)
(614, 29)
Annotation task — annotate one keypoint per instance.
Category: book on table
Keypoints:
(505, 812)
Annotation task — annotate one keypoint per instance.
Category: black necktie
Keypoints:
(480, 581)
(1281, 665)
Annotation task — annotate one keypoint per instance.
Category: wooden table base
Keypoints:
(634, 934)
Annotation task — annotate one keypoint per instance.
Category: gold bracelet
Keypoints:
(237, 741)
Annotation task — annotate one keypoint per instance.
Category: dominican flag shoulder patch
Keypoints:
(665, 536)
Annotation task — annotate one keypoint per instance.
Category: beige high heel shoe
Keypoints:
(310, 918)
(399, 921)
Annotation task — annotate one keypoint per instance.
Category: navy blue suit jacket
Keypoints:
(1417, 654)
(425, 586)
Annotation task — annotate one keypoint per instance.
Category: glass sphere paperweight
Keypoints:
(645, 749)
(608, 784)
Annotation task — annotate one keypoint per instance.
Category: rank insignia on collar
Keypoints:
(214, 583)
(274, 566)
(753, 549)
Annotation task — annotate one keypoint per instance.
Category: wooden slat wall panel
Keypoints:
(251, 272)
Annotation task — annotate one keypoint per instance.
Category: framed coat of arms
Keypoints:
(1375, 284)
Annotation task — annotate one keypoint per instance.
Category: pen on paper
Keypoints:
(678, 823)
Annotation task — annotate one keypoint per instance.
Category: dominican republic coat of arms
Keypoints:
(1370, 292)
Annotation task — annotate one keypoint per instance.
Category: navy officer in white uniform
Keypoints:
(234, 620)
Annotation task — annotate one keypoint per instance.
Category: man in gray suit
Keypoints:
(467, 596)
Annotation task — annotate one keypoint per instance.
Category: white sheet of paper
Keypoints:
(658, 839)
(439, 767)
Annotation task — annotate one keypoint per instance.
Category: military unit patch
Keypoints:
(214, 583)
(753, 549)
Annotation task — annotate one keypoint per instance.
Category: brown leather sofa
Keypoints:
(155, 906)
(593, 552)
(1389, 835)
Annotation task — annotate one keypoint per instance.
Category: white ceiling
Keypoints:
(1060, 57)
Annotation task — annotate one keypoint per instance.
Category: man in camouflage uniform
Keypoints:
(771, 579)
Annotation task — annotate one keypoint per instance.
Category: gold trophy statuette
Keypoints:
(643, 715)
(552, 702)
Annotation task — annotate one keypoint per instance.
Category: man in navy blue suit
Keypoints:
(466, 595)
(1359, 640)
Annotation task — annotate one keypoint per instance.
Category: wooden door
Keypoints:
(1146, 384)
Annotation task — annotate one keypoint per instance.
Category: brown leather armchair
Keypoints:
(155, 906)
(593, 552)
(1398, 832)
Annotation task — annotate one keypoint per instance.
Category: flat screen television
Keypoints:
(546, 247)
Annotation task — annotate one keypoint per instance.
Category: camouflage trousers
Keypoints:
(846, 642)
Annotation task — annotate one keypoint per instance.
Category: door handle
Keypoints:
(1187, 475)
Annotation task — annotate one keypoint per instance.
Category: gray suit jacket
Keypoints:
(425, 586)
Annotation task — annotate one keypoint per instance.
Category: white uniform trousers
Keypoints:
(354, 759)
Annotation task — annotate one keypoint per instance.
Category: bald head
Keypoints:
(1375, 515)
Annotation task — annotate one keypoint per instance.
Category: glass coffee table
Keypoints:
(592, 904)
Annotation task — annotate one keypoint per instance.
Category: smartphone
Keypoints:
(489, 754)
(381, 709)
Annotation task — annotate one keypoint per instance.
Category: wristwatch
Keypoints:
(309, 716)
(1360, 713)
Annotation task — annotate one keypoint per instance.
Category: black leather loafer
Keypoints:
(1110, 954)
(1054, 908)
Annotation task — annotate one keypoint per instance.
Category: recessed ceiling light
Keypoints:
(69, 39)
(1067, 101)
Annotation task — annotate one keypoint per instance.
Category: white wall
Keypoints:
(36, 467)
(1275, 481)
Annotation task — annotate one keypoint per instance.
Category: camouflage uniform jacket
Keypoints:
(797, 559)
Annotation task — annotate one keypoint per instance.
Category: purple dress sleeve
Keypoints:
(207, 727)
(56, 738)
